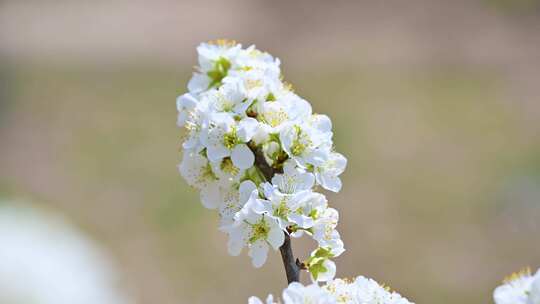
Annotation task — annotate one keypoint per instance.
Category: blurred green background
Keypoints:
(435, 103)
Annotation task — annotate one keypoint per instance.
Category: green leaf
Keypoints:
(221, 68)
(317, 269)
(316, 261)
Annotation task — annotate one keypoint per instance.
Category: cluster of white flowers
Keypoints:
(519, 288)
(256, 152)
(359, 291)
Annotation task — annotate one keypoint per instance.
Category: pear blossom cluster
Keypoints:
(519, 288)
(257, 153)
(358, 291)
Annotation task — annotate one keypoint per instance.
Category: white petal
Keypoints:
(210, 196)
(287, 136)
(247, 128)
(289, 167)
(261, 134)
(534, 296)
(186, 101)
(268, 189)
(224, 120)
(340, 162)
(242, 157)
(276, 237)
(254, 300)
(317, 157)
(301, 220)
(236, 240)
(191, 142)
(198, 83)
(336, 247)
(297, 233)
(318, 201)
(191, 166)
(322, 122)
(329, 182)
(258, 252)
(300, 199)
(216, 153)
(507, 294)
(294, 293)
(246, 189)
(300, 110)
(241, 107)
(248, 213)
(306, 181)
(182, 118)
(283, 224)
(261, 206)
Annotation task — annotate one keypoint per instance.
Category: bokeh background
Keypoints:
(435, 103)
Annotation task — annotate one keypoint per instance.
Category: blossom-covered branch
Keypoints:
(258, 155)
(256, 152)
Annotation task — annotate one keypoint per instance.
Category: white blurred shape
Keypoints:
(44, 260)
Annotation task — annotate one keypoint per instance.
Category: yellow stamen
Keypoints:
(223, 42)
(517, 275)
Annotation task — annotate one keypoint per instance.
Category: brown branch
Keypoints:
(292, 265)
(260, 162)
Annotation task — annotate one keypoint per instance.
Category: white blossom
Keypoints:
(297, 293)
(225, 137)
(255, 230)
(361, 290)
(534, 295)
(287, 208)
(193, 116)
(327, 173)
(282, 108)
(234, 199)
(519, 288)
(215, 61)
(324, 230)
(198, 173)
(304, 143)
(255, 300)
(231, 97)
(293, 179)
